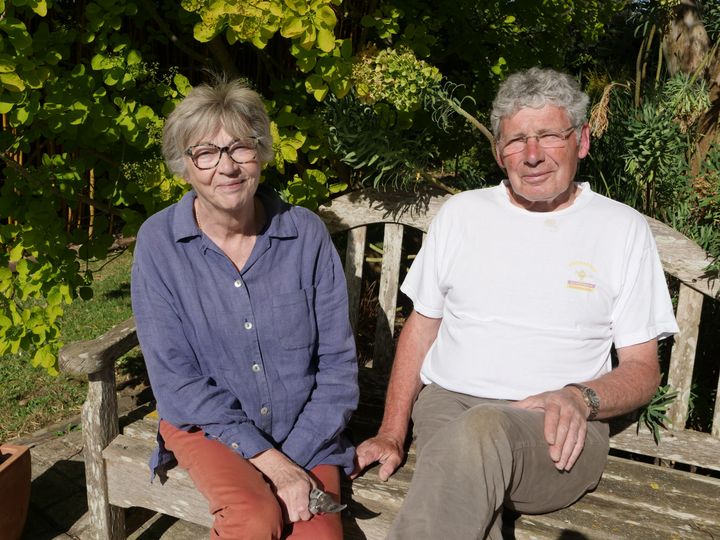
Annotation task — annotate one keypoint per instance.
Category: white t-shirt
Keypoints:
(532, 301)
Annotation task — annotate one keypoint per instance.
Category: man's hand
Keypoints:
(291, 483)
(386, 449)
(565, 423)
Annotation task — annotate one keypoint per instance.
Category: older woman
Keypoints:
(241, 310)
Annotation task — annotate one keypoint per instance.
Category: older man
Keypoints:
(519, 294)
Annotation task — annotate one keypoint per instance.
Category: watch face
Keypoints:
(592, 398)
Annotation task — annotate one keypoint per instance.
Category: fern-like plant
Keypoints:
(654, 414)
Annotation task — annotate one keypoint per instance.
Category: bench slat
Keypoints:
(144, 429)
(387, 297)
(716, 415)
(686, 446)
(639, 501)
(682, 358)
(634, 501)
(684, 259)
(129, 483)
(354, 259)
(369, 206)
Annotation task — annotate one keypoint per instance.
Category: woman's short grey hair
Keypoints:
(207, 108)
(535, 88)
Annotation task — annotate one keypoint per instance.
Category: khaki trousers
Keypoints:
(476, 456)
(239, 497)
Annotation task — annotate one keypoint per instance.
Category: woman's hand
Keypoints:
(291, 483)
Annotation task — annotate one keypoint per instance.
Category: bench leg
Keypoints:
(100, 427)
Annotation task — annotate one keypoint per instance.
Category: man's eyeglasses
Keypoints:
(548, 139)
(207, 155)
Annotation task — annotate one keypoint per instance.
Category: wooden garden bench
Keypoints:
(640, 495)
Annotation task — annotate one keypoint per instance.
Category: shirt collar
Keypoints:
(279, 223)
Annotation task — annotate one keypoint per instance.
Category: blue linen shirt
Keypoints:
(258, 358)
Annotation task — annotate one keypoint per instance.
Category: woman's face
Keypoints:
(229, 186)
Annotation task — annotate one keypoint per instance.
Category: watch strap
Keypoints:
(590, 397)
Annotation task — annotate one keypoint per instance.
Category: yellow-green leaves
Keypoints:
(500, 66)
(325, 40)
(45, 357)
(394, 76)
(315, 85)
(38, 6)
(286, 144)
(292, 27)
(309, 188)
(16, 253)
(385, 20)
(308, 24)
(12, 82)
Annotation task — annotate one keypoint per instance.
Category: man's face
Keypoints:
(541, 179)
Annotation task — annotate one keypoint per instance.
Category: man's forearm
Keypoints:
(631, 384)
(414, 342)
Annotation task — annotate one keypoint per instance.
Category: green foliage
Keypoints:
(31, 399)
(655, 157)
(396, 77)
(654, 414)
(643, 159)
(84, 88)
(84, 124)
(375, 142)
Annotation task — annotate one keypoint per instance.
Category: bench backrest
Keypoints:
(681, 258)
(354, 212)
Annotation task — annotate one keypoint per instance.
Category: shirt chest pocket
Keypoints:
(293, 316)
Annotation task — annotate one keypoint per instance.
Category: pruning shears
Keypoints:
(322, 503)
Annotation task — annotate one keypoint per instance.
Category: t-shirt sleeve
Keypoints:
(643, 310)
(422, 283)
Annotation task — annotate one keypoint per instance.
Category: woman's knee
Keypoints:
(320, 527)
(260, 519)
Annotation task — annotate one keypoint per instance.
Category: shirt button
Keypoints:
(265, 411)
(256, 368)
(248, 325)
(238, 283)
(234, 445)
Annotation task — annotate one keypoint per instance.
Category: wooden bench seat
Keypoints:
(635, 500)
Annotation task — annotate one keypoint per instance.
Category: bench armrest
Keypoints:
(95, 355)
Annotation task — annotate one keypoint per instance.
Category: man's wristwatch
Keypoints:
(592, 400)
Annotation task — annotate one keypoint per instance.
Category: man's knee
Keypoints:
(479, 431)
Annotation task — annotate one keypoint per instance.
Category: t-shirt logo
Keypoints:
(582, 276)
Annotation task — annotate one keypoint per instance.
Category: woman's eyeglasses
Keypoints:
(207, 155)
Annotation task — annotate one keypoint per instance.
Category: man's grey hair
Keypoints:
(535, 88)
(207, 108)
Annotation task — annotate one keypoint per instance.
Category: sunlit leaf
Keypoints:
(292, 27)
(12, 82)
(325, 40)
(16, 253)
(325, 18)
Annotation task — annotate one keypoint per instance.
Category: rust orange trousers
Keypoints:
(240, 498)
